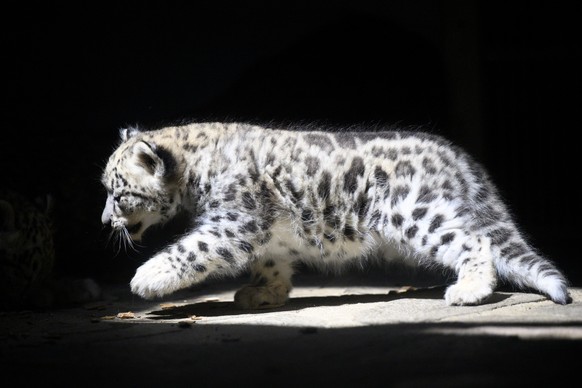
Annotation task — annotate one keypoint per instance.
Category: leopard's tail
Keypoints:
(520, 265)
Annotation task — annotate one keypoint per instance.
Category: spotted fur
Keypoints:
(266, 199)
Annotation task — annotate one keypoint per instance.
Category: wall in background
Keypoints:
(500, 79)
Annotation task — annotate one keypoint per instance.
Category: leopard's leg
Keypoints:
(476, 274)
(207, 250)
(442, 238)
(269, 287)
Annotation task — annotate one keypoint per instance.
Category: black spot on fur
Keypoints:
(248, 201)
(277, 172)
(374, 219)
(482, 194)
(377, 151)
(356, 170)
(404, 168)
(392, 154)
(411, 232)
(399, 193)
(463, 182)
(447, 238)
(320, 140)
(529, 260)
(225, 254)
(232, 216)
(514, 250)
(312, 164)
(425, 195)
(349, 232)
(191, 257)
(269, 263)
(444, 158)
(324, 187)
(267, 223)
(189, 147)
(397, 220)
(500, 236)
(435, 223)
(249, 227)
(202, 246)
(419, 213)
(346, 139)
(245, 246)
(428, 166)
(362, 205)
(230, 194)
(380, 175)
(487, 216)
(242, 179)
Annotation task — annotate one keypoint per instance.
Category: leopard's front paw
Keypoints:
(156, 278)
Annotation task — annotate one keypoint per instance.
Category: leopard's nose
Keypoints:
(107, 211)
(106, 217)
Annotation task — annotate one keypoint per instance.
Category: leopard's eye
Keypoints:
(121, 202)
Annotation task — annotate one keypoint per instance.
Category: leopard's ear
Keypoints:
(144, 156)
(129, 132)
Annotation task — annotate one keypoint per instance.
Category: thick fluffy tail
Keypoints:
(518, 264)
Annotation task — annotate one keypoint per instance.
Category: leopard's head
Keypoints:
(141, 180)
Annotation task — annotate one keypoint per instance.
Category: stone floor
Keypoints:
(355, 330)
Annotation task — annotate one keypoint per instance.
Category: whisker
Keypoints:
(117, 242)
(128, 241)
(121, 240)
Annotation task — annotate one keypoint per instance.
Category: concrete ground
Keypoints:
(354, 330)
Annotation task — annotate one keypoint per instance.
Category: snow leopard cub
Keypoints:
(265, 199)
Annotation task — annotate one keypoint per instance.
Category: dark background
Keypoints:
(502, 79)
